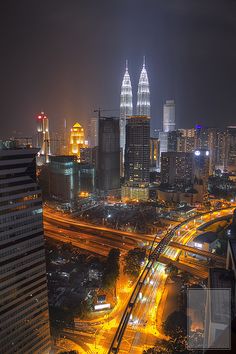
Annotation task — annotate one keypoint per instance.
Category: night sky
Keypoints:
(67, 57)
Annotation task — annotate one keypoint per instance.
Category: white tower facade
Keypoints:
(169, 116)
(126, 105)
(143, 96)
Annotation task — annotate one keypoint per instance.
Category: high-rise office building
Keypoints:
(137, 158)
(43, 139)
(186, 140)
(172, 140)
(143, 95)
(201, 169)
(68, 178)
(205, 138)
(137, 149)
(154, 153)
(169, 116)
(24, 318)
(126, 106)
(163, 137)
(93, 132)
(221, 150)
(77, 140)
(57, 143)
(108, 162)
(177, 169)
(231, 148)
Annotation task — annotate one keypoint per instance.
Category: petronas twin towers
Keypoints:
(126, 99)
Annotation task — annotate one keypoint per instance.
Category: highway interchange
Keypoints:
(140, 331)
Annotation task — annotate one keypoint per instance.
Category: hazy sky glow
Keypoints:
(68, 58)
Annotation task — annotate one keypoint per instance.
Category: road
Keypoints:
(140, 332)
(184, 233)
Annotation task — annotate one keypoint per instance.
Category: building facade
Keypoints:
(169, 116)
(154, 153)
(177, 169)
(77, 140)
(231, 148)
(137, 158)
(137, 149)
(108, 161)
(69, 178)
(43, 138)
(126, 106)
(143, 95)
(24, 318)
(93, 132)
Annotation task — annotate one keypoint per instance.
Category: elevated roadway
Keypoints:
(161, 250)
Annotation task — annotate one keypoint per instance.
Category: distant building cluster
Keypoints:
(118, 155)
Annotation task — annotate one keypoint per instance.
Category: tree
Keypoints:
(133, 261)
(176, 324)
(111, 269)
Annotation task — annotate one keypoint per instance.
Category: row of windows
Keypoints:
(28, 342)
(21, 231)
(36, 274)
(31, 295)
(30, 187)
(41, 336)
(12, 293)
(38, 301)
(14, 166)
(20, 207)
(23, 327)
(19, 256)
(9, 175)
(18, 199)
(17, 157)
(30, 313)
(13, 182)
(30, 236)
(29, 217)
(23, 248)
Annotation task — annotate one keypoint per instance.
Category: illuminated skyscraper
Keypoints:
(137, 159)
(126, 105)
(169, 116)
(43, 140)
(143, 97)
(77, 140)
(24, 317)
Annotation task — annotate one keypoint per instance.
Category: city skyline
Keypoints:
(68, 86)
(117, 176)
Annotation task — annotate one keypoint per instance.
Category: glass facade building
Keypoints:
(24, 319)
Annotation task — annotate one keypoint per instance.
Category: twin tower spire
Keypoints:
(126, 99)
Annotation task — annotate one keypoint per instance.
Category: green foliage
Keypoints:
(111, 269)
(176, 324)
(133, 261)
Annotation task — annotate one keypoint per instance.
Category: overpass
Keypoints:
(156, 255)
(198, 251)
(198, 271)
